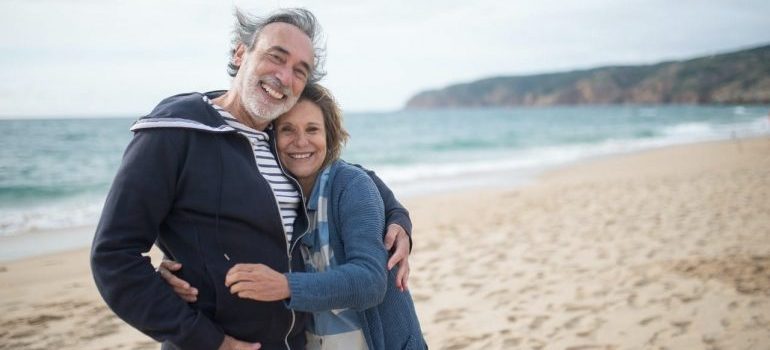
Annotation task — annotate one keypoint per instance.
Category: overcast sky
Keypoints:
(119, 58)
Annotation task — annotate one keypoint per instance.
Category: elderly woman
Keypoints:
(355, 302)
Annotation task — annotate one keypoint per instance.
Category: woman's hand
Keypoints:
(397, 240)
(183, 289)
(257, 282)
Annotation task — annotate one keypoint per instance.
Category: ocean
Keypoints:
(55, 173)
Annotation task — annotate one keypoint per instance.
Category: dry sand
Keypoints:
(666, 249)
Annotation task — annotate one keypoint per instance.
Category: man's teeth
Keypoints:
(274, 94)
(300, 155)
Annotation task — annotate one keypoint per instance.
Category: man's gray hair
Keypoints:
(247, 29)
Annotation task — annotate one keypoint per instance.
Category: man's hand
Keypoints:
(397, 240)
(231, 343)
(183, 289)
(257, 282)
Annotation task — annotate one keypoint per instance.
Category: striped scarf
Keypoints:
(333, 329)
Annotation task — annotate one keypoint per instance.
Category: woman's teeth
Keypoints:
(300, 155)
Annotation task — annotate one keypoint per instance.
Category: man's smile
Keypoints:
(272, 92)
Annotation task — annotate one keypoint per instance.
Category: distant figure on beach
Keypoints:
(201, 180)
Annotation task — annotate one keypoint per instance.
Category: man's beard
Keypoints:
(261, 107)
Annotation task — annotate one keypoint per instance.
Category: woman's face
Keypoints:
(301, 140)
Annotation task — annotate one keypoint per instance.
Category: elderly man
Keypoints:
(200, 179)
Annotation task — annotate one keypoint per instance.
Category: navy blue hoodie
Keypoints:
(189, 183)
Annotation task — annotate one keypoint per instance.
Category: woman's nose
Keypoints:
(301, 140)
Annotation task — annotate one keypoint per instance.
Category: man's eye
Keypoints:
(275, 58)
(300, 73)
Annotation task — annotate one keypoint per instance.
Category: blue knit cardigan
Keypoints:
(360, 281)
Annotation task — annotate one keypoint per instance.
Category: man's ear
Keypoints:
(239, 54)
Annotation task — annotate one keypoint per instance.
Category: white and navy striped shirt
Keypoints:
(286, 195)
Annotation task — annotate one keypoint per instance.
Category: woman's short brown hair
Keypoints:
(336, 135)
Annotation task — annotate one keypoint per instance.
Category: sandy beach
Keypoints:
(664, 249)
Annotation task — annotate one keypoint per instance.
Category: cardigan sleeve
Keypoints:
(395, 212)
(139, 199)
(360, 281)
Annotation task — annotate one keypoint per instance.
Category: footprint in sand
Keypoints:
(25, 333)
(686, 299)
(569, 307)
(536, 344)
(538, 322)
(42, 320)
(591, 329)
(498, 293)
(631, 300)
(681, 327)
(145, 345)
(105, 326)
(472, 287)
(528, 288)
(648, 320)
(449, 315)
(464, 342)
(591, 347)
(509, 343)
(572, 322)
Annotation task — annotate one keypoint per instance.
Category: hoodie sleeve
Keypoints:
(140, 197)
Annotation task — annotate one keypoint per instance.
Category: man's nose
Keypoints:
(284, 75)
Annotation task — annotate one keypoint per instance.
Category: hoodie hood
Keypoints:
(186, 111)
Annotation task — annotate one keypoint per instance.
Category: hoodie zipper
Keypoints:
(290, 246)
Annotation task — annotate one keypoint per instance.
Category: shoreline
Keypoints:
(667, 247)
(72, 239)
(45, 242)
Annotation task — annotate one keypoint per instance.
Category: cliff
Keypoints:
(741, 77)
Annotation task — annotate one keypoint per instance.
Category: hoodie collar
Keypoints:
(186, 111)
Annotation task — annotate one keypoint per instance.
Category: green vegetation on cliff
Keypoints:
(741, 77)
